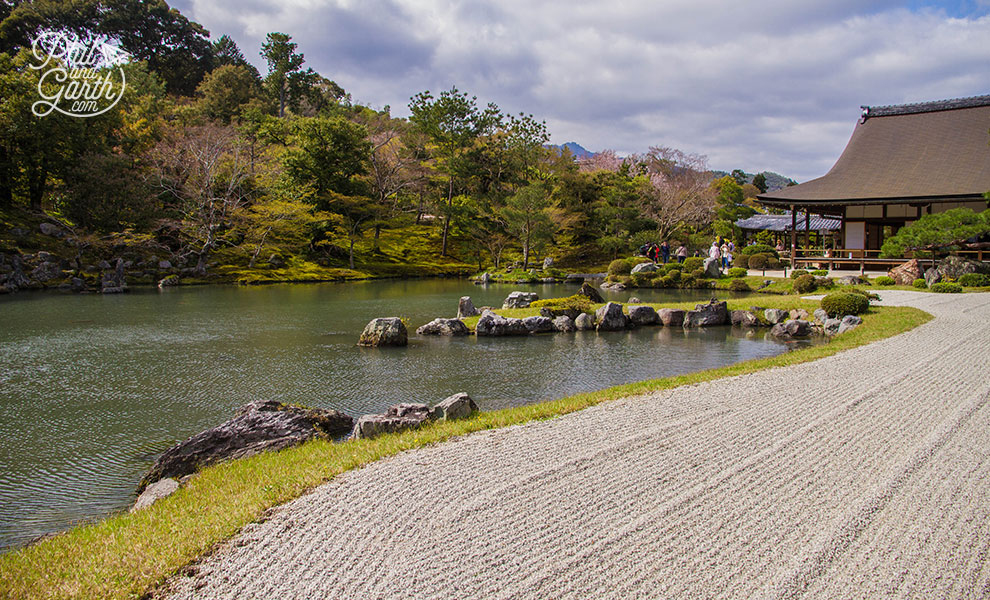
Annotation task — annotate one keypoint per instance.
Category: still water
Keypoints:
(93, 388)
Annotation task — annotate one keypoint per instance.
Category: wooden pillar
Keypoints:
(793, 235)
(807, 228)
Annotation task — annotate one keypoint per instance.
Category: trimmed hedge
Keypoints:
(758, 262)
(805, 284)
(920, 284)
(820, 272)
(693, 262)
(739, 285)
(974, 280)
(759, 249)
(884, 280)
(798, 273)
(737, 272)
(946, 287)
(619, 266)
(840, 304)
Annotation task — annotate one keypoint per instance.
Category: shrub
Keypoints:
(693, 262)
(843, 303)
(671, 267)
(884, 280)
(667, 281)
(758, 262)
(798, 273)
(739, 285)
(774, 263)
(820, 272)
(825, 283)
(863, 293)
(642, 279)
(920, 284)
(737, 272)
(636, 260)
(619, 266)
(759, 249)
(805, 284)
(741, 261)
(974, 280)
(687, 280)
(674, 275)
(698, 273)
(575, 302)
(783, 262)
(946, 287)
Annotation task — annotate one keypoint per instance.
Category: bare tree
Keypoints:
(205, 171)
(677, 189)
(394, 167)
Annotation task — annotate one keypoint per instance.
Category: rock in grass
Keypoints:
(520, 300)
(444, 327)
(775, 315)
(611, 318)
(832, 326)
(820, 315)
(849, 322)
(398, 417)
(162, 488)
(584, 322)
(458, 406)
(671, 317)
(258, 427)
(643, 315)
(388, 331)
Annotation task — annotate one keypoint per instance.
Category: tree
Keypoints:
(938, 231)
(739, 176)
(527, 217)
(452, 122)
(204, 172)
(225, 91)
(393, 167)
(327, 153)
(676, 192)
(225, 52)
(760, 181)
(282, 221)
(286, 82)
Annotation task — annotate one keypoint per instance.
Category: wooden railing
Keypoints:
(862, 258)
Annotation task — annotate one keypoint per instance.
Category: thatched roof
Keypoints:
(783, 223)
(929, 152)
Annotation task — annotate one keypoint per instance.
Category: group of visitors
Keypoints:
(660, 253)
(721, 251)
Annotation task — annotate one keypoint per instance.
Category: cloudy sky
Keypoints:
(773, 85)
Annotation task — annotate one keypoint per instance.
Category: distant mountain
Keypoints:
(576, 149)
(775, 181)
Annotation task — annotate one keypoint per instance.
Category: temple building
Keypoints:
(901, 162)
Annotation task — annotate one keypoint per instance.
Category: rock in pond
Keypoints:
(564, 324)
(594, 295)
(258, 427)
(584, 322)
(791, 328)
(775, 315)
(485, 279)
(162, 488)
(707, 315)
(611, 318)
(466, 308)
(643, 315)
(458, 406)
(744, 318)
(113, 281)
(520, 300)
(491, 324)
(387, 331)
(671, 317)
(444, 327)
(538, 324)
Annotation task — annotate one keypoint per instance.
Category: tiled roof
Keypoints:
(783, 223)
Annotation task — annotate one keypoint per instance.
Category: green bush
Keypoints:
(820, 272)
(884, 280)
(687, 280)
(946, 287)
(774, 263)
(805, 284)
(636, 260)
(974, 280)
(671, 267)
(740, 260)
(698, 273)
(863, 293)
(619, 266)
(759, 249)
(642, 279)
(667, 281)
(737, 272)
(783, 262)
(693, 262)
(843, 303)
(575, 302)
(674, 275)
(798, 273)
(920, 284)
(758, 262)
(739, 285)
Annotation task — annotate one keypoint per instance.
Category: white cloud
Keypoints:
(775, 86)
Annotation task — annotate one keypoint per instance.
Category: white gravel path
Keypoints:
(862, 475)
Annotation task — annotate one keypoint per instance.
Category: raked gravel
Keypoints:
(861, 475)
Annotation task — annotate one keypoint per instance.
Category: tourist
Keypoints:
(681, 253)
(724, 253)
(727, 255)
(665, 252)
(780, 246)
(714, 253)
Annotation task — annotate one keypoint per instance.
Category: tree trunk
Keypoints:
(6, 185)
(378, 233)
(352, 253)
(446, 221)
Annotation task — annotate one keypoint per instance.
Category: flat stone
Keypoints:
(163, 488)
(646, 267)
(458, 406)
(440, 326)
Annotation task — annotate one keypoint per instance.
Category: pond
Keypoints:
(93, 388)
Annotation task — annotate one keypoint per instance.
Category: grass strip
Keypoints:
(129, 555)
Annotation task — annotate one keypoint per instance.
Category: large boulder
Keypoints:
(466, 308)
(387, 331)
(616, 286)
(832, 326)
(398, 417)
(932, 276)
(775, 315)
(46, 271)
(713, 268)
(520, 300)
(744, 318)
(671, 317)
(564, 324)
(646, 267)
(611, 318)
(458, 406)
(707, 315)
(538, 324)
(485, 279)
(850, 322)
(547, 262)
(52, 230)
(954, 267)
(113, 280)
(798, 314)
(491, 324)
(594, 295)
(258, 427)
(444, 327)
(643, 315)
(584, 322)
(820, 315)
(906, 273)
